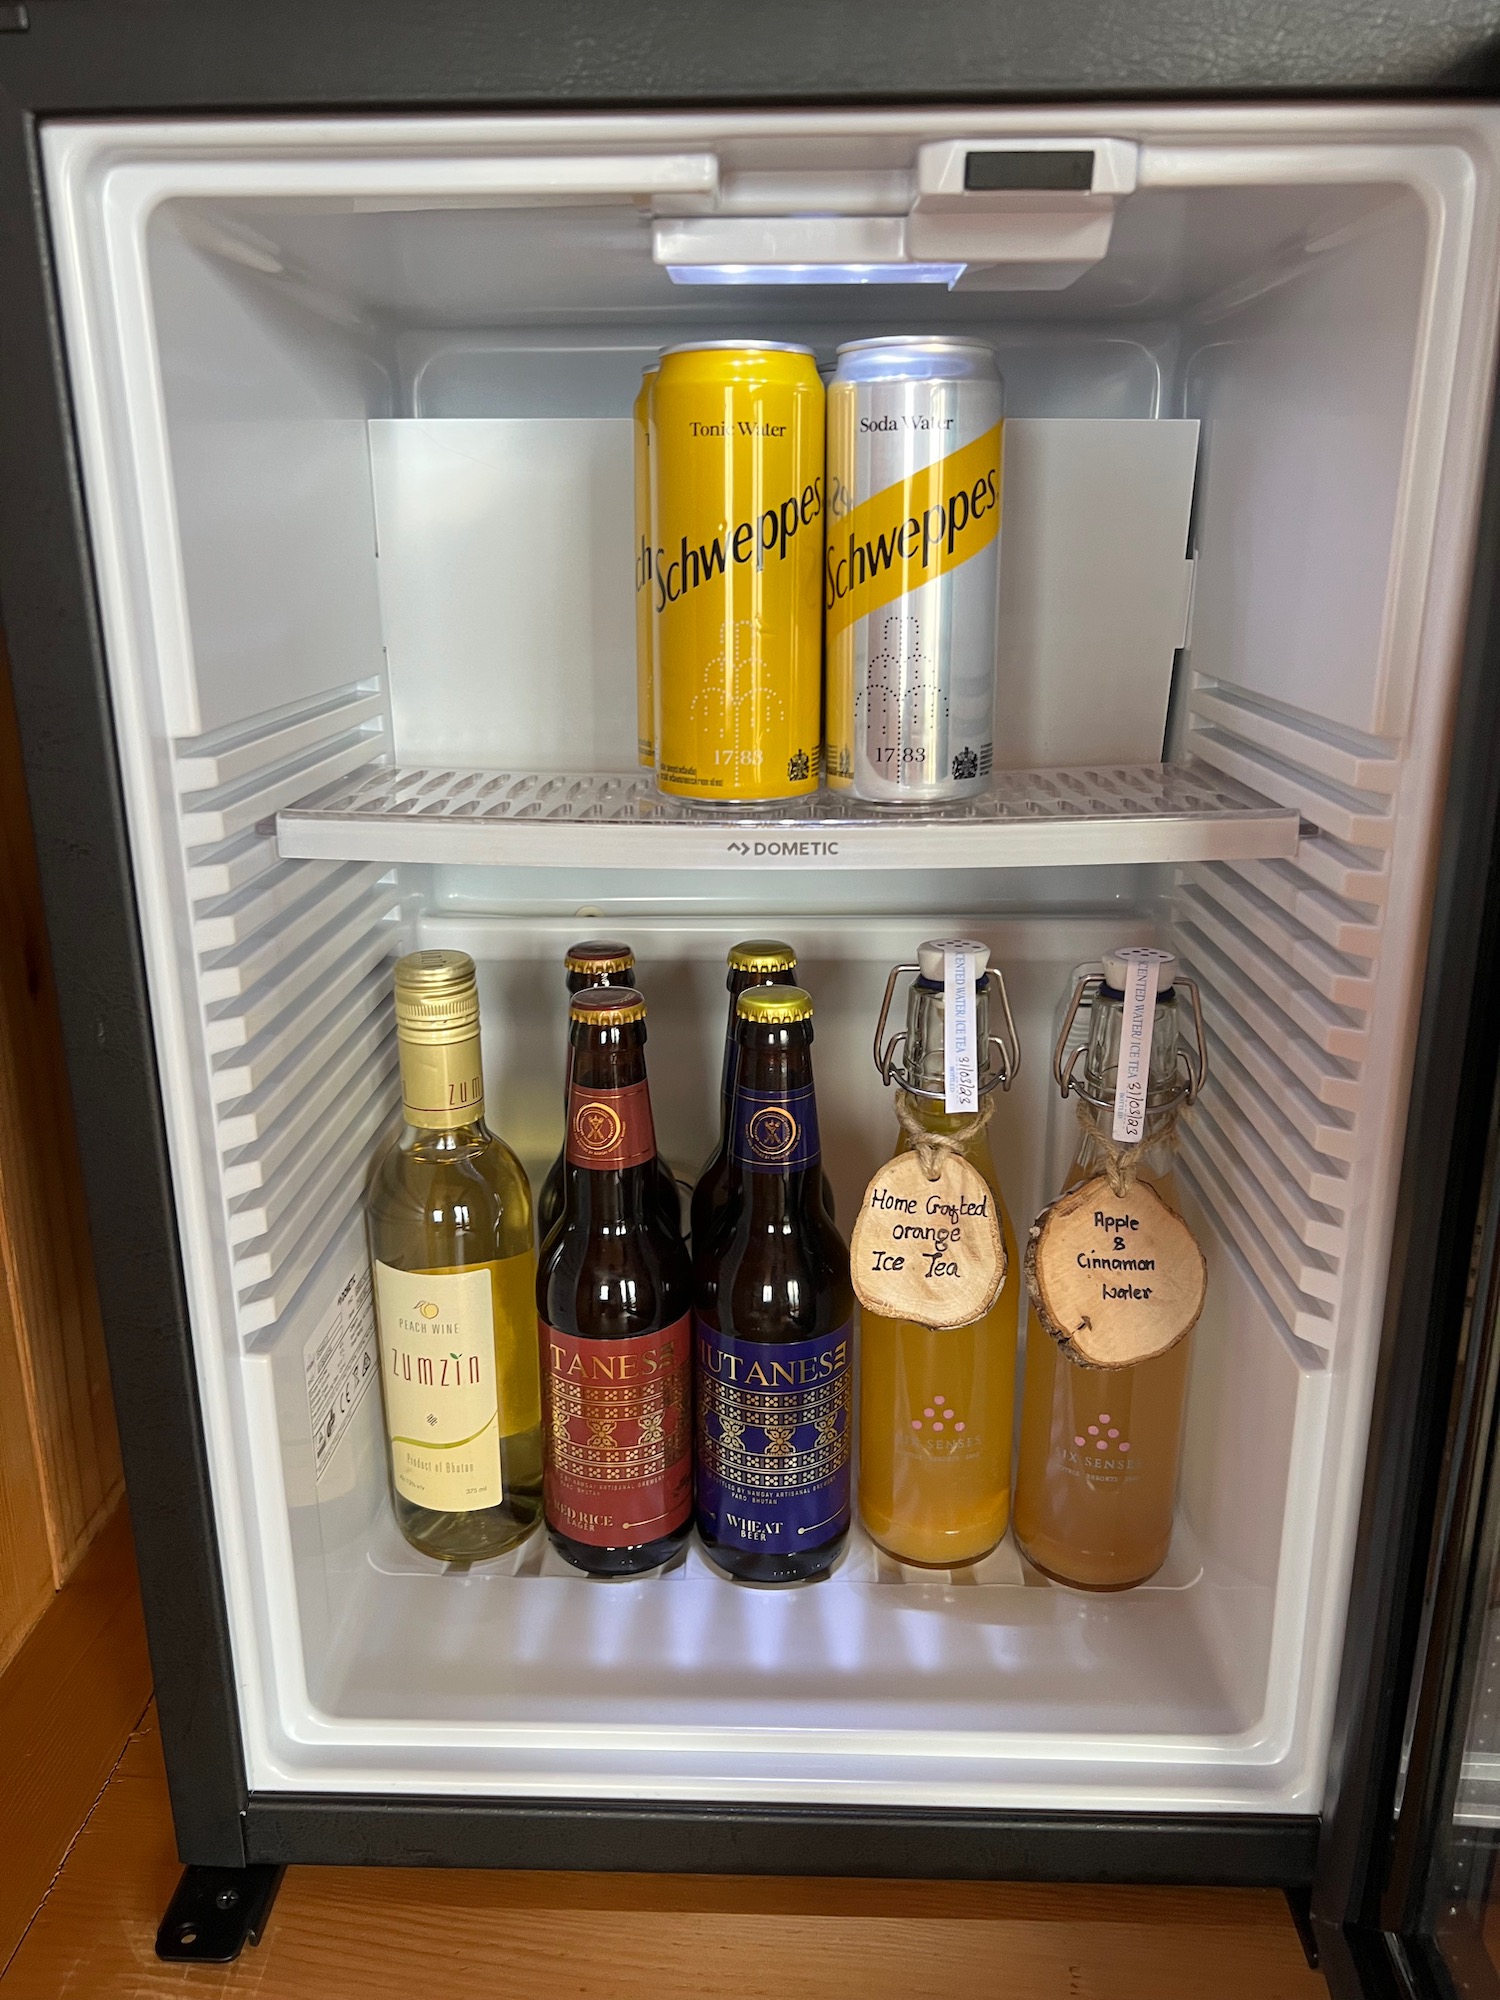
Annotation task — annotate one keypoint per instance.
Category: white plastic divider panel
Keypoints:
(291, 978)
(1285, 952)
(506, 585)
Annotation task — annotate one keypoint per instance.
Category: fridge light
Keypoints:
(816, 274)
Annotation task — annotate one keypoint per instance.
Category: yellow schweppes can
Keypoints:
(736, 453)
(645, 683)
(911, 577)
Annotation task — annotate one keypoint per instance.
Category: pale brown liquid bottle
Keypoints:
(1097, 1477)
(448, 1214)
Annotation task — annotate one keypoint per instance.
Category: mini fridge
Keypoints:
(319, 332)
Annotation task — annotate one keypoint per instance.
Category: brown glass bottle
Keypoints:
(614, 1294)
(755, 962)
(597, 962)
(773, 1338)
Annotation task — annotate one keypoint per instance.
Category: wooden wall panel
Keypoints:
(53, 1365)
(26, 1582)
(68, 1702)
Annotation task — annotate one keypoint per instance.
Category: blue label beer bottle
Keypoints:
(772, 1333)
(755, 962)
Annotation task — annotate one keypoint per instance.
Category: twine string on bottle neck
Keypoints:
(930, 1147)
(1121, 1161)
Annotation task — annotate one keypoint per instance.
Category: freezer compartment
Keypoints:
(284, 339)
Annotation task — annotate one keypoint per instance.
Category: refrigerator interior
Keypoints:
(353, 408)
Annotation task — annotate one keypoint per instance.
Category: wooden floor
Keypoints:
(375, 1934)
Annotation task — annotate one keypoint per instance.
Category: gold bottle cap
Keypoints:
(607, 1006)
(762, 955)
(437, 998)
(774, 1004)
(599, 955)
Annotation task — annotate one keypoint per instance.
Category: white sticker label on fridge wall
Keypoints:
(1132, 1080)
(339, 1361)
(961, 1079)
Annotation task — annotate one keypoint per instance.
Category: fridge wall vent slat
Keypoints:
(290, 979)
(1286, 958)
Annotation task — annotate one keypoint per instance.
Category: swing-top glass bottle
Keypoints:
(1096, 1481)
(937, 1406)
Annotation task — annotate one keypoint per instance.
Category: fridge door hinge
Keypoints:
(215, 1912)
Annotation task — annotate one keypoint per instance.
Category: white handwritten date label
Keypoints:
(1116, 1279)
(928, 1251)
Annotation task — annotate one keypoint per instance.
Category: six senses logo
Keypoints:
(597, 1128)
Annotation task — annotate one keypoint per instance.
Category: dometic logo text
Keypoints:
(783, 850)
(913, 531)
(765, 538)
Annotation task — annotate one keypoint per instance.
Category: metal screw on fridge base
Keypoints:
(1002, 1052)
(1192, 1064)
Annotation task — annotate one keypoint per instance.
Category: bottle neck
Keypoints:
(609, 975)
(925, 1060)
(930, 1115)
(1165, 1089)
(740, 978)
(442, 1083)
(611, 1139)
(578, 982)
(775, 1155)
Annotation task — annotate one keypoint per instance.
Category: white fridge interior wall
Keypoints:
(492, 663)
(259, 313)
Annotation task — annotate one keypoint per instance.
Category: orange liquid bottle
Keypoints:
(1097, 1477)
(937, 1406)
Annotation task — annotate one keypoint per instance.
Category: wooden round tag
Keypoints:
(928, 1251)
(1115, 1278)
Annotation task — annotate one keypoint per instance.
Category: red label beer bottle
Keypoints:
(613, 1296)
(598, 962)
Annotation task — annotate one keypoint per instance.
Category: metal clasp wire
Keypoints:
(1193, 1063)
(1003, 1052)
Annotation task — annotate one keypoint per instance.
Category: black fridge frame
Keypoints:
(122, 58)
(1427, 1534)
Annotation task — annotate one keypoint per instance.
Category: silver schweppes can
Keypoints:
(911, 568)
